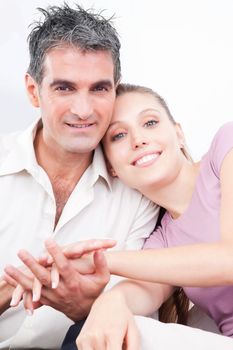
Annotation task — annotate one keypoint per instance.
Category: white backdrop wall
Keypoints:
(181, 48)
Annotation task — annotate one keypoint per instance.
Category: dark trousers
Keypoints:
(71, 336)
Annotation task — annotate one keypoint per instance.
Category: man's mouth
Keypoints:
(79, 126)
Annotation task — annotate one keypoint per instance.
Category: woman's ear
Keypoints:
(112, 172)
(180, 135)
(32, 90)
(110, 169)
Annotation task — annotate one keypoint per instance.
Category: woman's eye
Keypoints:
(150, 123)
(118, 136)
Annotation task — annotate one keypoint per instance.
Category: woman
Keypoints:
(146, 150)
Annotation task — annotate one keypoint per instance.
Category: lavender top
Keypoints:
(201, 223)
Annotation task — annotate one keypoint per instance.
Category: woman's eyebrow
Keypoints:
(149, 110)
(141, 113)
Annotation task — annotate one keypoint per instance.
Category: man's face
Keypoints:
(76, 98)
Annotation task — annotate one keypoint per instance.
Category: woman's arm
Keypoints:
(202, 265)
(142, 298)
(116, 325)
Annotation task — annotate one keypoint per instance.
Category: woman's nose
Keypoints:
(139, 141)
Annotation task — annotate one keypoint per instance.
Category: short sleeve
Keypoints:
(221, 145)
(155, 240)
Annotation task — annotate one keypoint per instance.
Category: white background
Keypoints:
(181, 48)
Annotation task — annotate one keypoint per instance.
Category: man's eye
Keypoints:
(118, 136)
(150, 123)
(63, 88)
(100, 88)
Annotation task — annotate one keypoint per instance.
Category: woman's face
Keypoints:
(141, 143)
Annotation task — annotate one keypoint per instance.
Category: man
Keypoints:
(57, 176)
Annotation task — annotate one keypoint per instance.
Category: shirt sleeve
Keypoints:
(143, 224)
(156, 240)
(222, 144)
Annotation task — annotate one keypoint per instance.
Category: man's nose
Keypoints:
(82, 106)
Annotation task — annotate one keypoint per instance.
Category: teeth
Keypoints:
(146, 159)
(79, 126)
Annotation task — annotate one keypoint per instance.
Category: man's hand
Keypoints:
(75, 292)
(6, 291)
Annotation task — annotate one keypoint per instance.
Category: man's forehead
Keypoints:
(72, 54)
(71, 62)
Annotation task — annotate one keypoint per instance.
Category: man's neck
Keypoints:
(64, 170)
(59, 163)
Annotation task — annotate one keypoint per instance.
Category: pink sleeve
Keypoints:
(221, 145)
(155, 240)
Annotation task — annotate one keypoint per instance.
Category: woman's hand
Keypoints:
(110, 325)
(29, 294)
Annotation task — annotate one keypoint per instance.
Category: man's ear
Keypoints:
(117, 83)
(32, 90)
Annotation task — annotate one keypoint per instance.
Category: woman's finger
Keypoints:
(39, 271)
(54, 276)
(28, 303)
(18, 276)
(76, 250)
(17, 295)
(7, 278)
(36, 290)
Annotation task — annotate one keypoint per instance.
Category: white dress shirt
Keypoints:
(99, 207)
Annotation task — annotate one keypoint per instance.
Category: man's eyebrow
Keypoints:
(57, 82)
(105, 82)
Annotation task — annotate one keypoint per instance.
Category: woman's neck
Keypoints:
(175, 195)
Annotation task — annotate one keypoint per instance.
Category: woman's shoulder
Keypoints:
(226, 130)
(222, 143)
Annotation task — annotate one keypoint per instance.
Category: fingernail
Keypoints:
(13, 302)
(35, 298)
(29, 312)
(54, 285)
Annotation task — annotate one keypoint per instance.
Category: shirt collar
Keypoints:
(99, 168)
(21, 156)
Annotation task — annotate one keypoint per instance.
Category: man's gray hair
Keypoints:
(66, 26)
